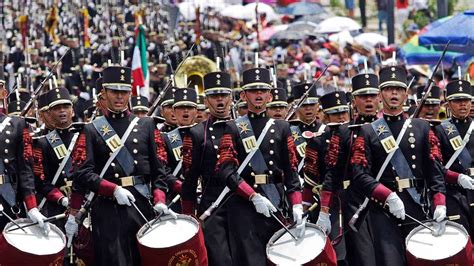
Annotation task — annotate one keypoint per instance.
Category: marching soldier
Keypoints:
(336, 181)
(139, 106)
(202, 114)
(200, 150)
(278, 107)
(471, 113)
(430, 109)
(455, 134)
(16, 174)
(167, 112)
(322, 152)
(264, 179)
(52, 161)
(124, 181)
(185, 109)
(401, 185)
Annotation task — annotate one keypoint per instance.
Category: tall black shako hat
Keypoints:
(217, 83)
(334, 102)
(365, 84)
(434, 97)
(185, 97)
(458, 89)
(300, 89)
(117, 78)
(393, 76)
(256, 79)
(279, 95)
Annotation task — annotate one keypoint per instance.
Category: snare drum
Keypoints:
(172, 242)
(452, 248)
(32, 247)
(314, 248)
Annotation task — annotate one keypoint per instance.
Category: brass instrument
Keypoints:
(192, 71)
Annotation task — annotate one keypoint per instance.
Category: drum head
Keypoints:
(286, 251)
(169, 232)
(34, 241)
(422, 244)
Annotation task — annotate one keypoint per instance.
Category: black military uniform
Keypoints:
(174, 142)
(322, 152)
(200, 148)
(419, 154)
(298, 127)
(451, 133)
(167, 100)
(49, 152)
(137, 170)
(336, 181)
(270, 171)
(17, 181)
(279, 99)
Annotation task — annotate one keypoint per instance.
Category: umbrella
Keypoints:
(235, 12)
(459, 30)
(341, 38)
(338, 24)
(262, 8)
(315, 18)
(306, 27)
(415, 54)
(188, 9)
(303, 8)
(288, 35)
(268, 32)
(370, 39)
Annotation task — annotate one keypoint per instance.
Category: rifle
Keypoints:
(38, 89)
(354, 223)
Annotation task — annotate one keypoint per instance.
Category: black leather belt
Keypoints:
(130, 181)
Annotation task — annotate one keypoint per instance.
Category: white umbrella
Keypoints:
(188, 8)
(235, 12)
(262, 8)
(370, 39)
(338, 24)
(341, 38)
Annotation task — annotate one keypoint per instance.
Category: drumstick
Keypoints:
(448, 218)
(418, 222)
(175, 199)
(283, 225)
(49, 219)
(10, 218)
(141, 214)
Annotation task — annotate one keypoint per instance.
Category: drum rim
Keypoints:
(420, 227)
(53, 228)
(282, 231)
(167, 218)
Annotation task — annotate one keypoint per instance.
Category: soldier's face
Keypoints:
(256, 99)
(218, 104)
(185, 115)
(168, 113)
(393, 98)
(140, 114)
(341, 117)
(61, 115)
(243, 110)
(201, 115)
(117, 100)
(277, 112)
(308, 112)
(460, 108)
(366, 104)
(430, 111)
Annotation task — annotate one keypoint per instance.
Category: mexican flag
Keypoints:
(140, 75)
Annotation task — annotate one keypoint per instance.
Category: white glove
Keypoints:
(71, 228)
(324, 222)
(123, 196)
(466, 181)
(162, 208)
(439, 226)
(64, 201)
(262, 205)
(395, 205)
(36, 216)
(298, 218)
